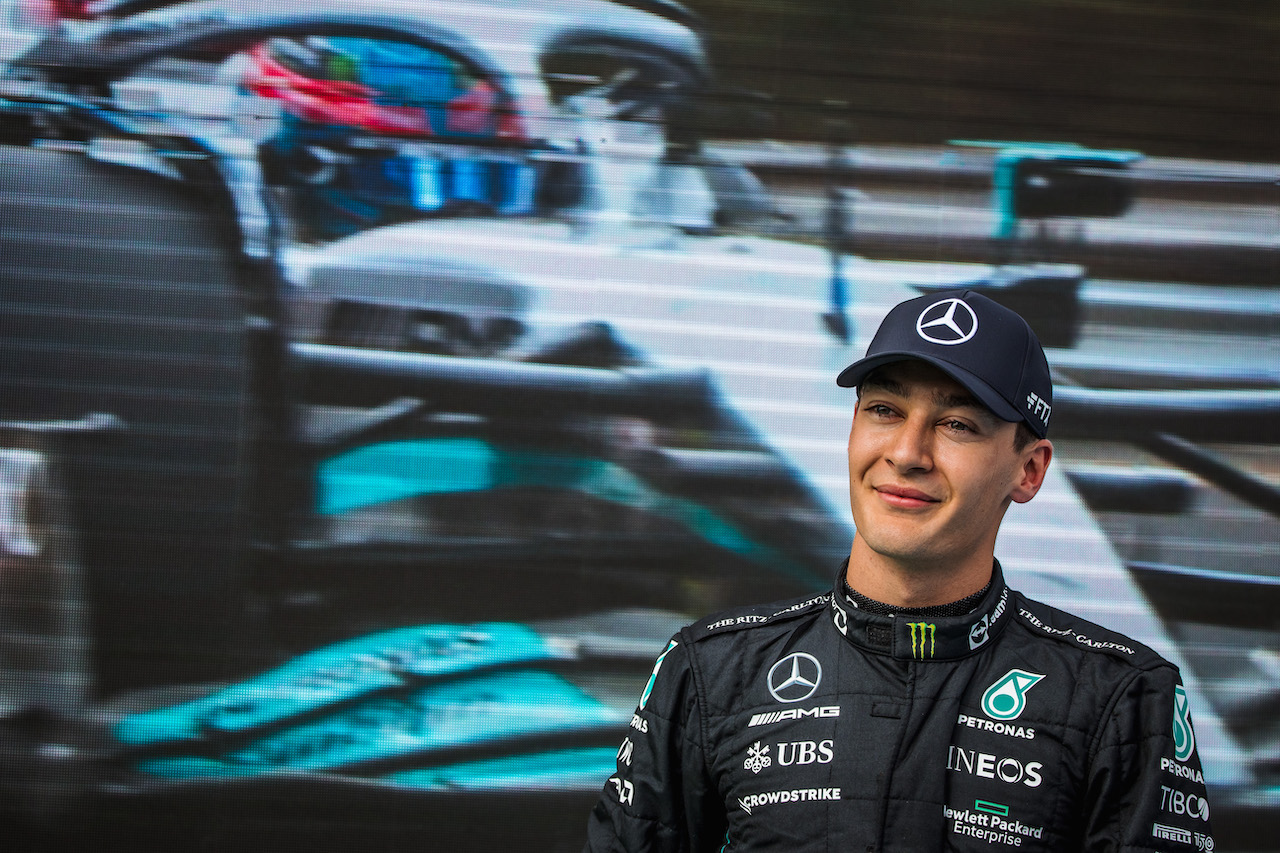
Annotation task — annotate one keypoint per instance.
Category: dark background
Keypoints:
(1182, 78)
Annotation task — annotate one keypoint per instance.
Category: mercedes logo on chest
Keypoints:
(795, 677)
(947, 322)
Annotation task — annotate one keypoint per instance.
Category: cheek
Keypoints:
(978, 474)
(857, 449)
(997, 479)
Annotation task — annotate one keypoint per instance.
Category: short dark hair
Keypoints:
(1023, 437)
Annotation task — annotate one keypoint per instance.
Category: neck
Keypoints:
(909, 585)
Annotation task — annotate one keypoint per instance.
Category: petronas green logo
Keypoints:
(1005, 699)
(1184, 739)
(648, 688)
(922, 639)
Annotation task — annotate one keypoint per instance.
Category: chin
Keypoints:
(904, 547)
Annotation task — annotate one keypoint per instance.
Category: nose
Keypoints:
(911, 448)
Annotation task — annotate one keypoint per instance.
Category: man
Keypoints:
(921, 705)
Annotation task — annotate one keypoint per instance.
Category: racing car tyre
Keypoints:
(119, 296)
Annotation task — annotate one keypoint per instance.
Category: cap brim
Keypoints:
(853, 375)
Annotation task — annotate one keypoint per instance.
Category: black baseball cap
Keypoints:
(984, 346)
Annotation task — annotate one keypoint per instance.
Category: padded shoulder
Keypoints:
(1045, 621)
(755, 616)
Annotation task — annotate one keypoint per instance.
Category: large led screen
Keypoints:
(383, 384)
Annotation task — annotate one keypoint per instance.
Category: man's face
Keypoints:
(932, 470)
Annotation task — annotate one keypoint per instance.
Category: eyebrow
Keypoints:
(943, 399)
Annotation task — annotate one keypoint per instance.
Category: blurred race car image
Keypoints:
(434, 110)
(370, 598)
(615, 484)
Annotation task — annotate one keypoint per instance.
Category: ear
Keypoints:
(1035, 464)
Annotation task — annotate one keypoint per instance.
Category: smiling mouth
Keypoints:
(903, 497)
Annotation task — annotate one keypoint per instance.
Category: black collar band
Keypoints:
(917, 636)
(955, 608)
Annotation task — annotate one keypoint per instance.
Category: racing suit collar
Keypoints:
(909, 637)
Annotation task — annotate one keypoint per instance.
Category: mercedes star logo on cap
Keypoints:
(947, 322)
(795, 677)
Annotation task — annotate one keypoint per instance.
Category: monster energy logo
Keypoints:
(922, 639)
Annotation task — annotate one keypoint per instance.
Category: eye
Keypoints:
(957, 426)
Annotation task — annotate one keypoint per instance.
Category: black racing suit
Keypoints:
(812, 725)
